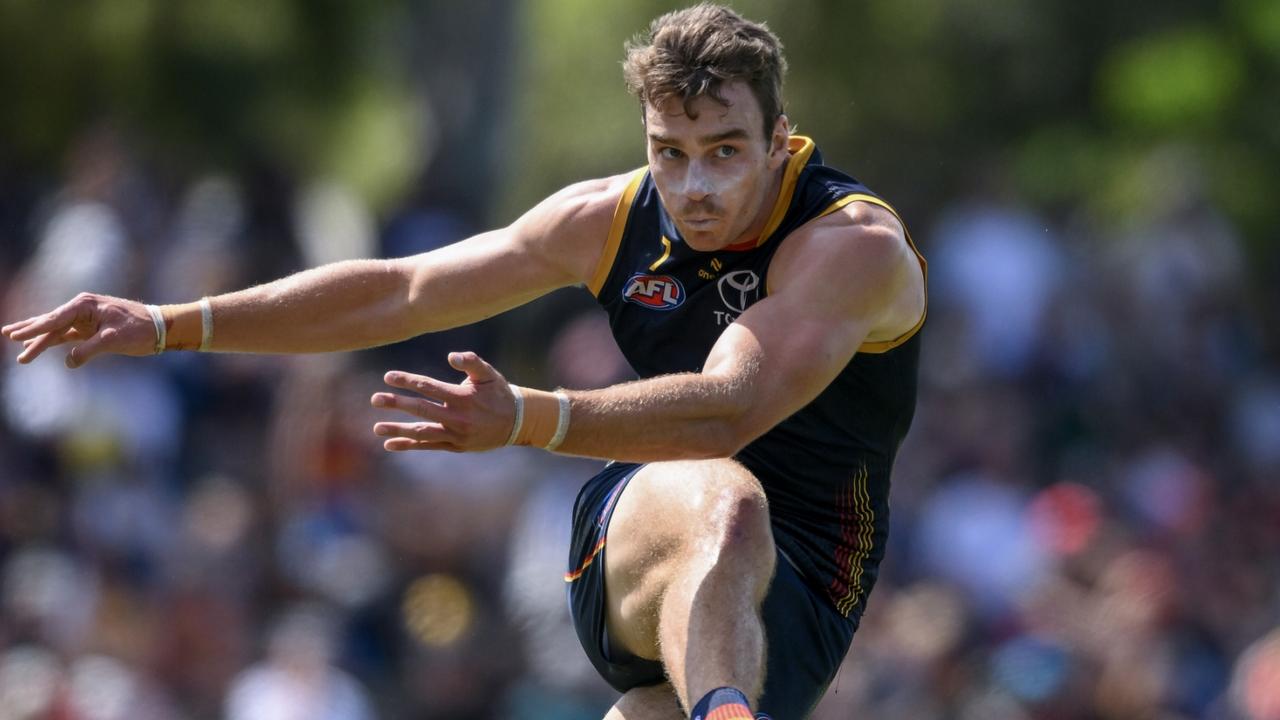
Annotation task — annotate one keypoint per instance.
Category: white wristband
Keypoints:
(515, 428)
(206, 324)
(562, 422)
(157, 317)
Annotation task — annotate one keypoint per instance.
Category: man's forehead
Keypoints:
(712, 117)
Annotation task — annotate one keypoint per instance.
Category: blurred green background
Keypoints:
(1065, 100)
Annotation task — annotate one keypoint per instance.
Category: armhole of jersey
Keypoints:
(619, 226)
(887, 345)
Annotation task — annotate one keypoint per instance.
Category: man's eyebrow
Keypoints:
(730, 134)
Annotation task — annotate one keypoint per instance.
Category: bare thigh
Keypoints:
(666, 508)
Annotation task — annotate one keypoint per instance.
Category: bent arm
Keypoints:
(833, 288)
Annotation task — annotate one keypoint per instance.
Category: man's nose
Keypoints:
(697, 183)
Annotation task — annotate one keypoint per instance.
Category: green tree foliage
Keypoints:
(926, 100)
(306, 85)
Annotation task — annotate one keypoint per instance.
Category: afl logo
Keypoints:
(739, 289)
(657, 292)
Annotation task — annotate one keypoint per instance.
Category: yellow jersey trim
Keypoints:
(887, 345)
(861, 511)
(614, 241)
(666, 253)
(800, 148)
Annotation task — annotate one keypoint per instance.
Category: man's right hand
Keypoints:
(95, 323)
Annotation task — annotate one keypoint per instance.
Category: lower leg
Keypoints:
(709, 626)
(689, 561)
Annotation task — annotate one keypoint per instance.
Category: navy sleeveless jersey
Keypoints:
(825, 469)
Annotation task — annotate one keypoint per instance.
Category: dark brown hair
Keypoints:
(693, 52)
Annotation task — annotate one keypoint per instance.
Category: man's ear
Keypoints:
(778, 141)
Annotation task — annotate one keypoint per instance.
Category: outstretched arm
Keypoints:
(850, 278)
(358, 303)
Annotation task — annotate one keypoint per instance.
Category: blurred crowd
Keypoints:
(1086, 514)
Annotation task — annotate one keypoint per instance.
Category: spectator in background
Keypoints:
(297, 680)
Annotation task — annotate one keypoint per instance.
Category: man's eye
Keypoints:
(725, 151)
(670, 153)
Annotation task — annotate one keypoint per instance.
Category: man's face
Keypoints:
(716, 175)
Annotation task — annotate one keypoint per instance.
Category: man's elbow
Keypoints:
(723, 438)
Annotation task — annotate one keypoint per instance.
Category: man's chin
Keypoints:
(705, 240)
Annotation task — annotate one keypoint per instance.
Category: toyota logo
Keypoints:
(739, 289)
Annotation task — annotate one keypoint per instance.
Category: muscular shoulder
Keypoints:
(855, 260)
(586, 205)
(572, 225)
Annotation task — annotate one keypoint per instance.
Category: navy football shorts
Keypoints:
(807, 638)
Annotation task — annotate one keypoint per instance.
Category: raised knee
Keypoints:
(740, 520)
(713, 509)
(746, 516)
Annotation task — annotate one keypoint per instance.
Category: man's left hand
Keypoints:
(473, 415)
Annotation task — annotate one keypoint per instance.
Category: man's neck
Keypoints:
(764, 211)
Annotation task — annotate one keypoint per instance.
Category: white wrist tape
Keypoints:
(206, 324)
(562, 422)
(519, 423)
(542, 418)
(157, 317)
